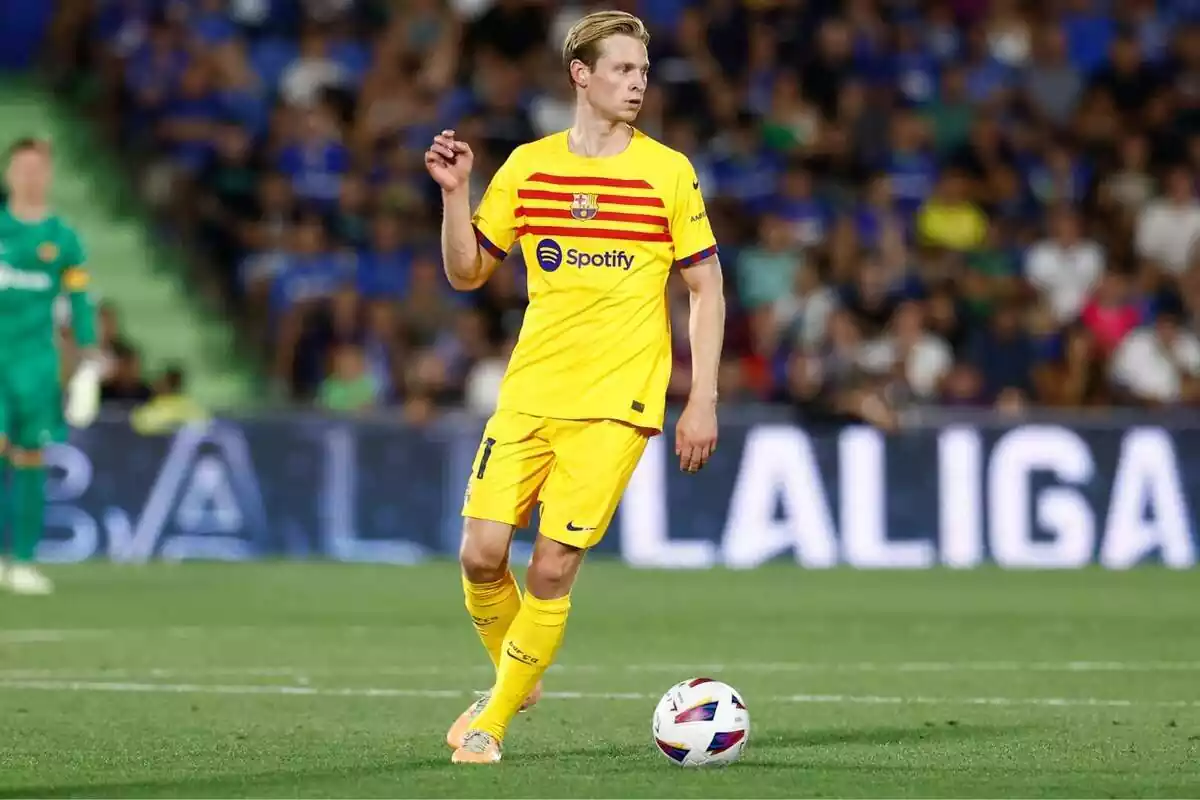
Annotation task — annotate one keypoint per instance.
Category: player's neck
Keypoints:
(28, 212)
(592, 137)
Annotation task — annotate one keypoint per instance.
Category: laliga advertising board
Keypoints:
(1031, 496)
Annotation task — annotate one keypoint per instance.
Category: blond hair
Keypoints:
(585, 37)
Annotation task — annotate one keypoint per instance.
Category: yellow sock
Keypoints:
(532, 641)
(493, 607)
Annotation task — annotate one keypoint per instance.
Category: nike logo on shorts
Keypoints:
(571, 527)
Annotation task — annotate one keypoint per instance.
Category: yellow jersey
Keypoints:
(599, 237)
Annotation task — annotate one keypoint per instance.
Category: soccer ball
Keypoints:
(701, 723)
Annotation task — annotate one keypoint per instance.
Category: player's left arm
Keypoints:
(83, 389)
(700, 267)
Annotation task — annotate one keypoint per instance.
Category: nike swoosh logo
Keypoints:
(695, 184)
(571, 527)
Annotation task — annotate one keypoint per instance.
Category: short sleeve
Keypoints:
(73, 254)
(691, 231)
(495, 220)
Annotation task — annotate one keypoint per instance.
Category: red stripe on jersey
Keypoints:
(567, 197)
(593, 233)
(572, 180)
(601, 216)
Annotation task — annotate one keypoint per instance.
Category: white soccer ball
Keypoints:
(701, 722)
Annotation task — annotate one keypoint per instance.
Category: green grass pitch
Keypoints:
(310, 680)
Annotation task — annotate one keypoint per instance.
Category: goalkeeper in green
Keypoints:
(41, 258)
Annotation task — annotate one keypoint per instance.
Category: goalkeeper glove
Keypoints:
(83, 395)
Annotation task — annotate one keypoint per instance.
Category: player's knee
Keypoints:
(484, 551)
(553, 568)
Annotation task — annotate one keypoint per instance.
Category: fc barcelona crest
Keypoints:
(584, 206)
(47, 251)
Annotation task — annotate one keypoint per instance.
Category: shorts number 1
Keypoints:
(487, 453)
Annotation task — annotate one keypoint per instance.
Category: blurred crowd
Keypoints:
(985, 203)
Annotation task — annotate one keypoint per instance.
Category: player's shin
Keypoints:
(28, 505)
(493, 607)
(532, 642)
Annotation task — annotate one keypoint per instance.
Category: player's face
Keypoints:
(29, 176)
(617, 87)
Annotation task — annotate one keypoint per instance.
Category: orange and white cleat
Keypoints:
(458, 731)
(478, 747)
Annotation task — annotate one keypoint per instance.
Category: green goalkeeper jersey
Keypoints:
(38, 262)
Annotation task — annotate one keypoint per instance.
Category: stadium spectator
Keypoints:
(948, 220)
(1076, 378)
(169, 408)
(125, 385)
(1052, 84)
(1111, 314)
(1168, 227)
(1065, 267)
(1004, 354)
(1159, 364)
(918, 359)
(349, 387)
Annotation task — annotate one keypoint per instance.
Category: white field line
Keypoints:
(45, 635)
(377, 692)
(303, 672)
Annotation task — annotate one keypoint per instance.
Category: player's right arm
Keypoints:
(472, 247)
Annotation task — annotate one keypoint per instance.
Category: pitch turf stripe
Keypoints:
(613, 199)
(828, 699)
(285, 671)
(575, 180)
(534, 212)
(592, 233)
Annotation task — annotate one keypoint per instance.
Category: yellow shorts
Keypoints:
(576, 469)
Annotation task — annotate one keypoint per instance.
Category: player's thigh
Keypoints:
(35, 405)
(510, 467)
(593, 462)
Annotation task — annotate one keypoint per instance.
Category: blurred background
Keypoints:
(971, 224)
(974, 203)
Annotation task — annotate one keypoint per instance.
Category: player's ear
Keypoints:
(579, 73)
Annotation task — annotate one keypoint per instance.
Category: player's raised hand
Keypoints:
(449, 161)
(696, 435)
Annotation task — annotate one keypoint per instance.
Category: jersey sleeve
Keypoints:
(691, 231)
(495, 220)
(73, 257)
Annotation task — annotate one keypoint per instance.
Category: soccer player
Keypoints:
(602, 213)
(40, 259)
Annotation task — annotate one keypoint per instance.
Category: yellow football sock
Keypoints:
(493, 607)
(532, 641)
